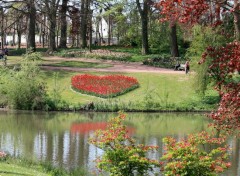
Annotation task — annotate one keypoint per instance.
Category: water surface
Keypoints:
(62, 138)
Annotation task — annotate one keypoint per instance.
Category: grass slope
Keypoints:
(14, 170)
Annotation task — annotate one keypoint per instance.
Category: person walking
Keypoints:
(187, 67)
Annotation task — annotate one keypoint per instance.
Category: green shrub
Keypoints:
(187, 158)
(162, 61)
(202, 38)
(23, 89)
(32, 56)
(122, 156)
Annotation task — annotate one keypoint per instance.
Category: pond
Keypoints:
(62, 138)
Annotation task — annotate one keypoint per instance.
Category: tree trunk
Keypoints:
(63, 38)
(84, 6)
(101, 37)
(52, 35)
(2, 30)
(109, 30)
(174, 45)
(14, 35)
(19, 39)
(52, 7)
(236, 14)
(31, 25)
(144, 20)
(43, 31)
(90, 31)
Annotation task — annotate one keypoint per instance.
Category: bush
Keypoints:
(122, 156)
(186, 158)
(33, 56)
(203, 37)
(23, 89)
(163, 61)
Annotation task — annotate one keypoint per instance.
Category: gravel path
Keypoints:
(116, 66)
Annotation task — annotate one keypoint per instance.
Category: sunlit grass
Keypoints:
(13, 170)
(79, 64)
(172, 89)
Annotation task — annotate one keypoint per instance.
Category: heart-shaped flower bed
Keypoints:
(104, 86)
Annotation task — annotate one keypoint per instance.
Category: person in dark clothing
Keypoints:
(6, 51)
(187, 67)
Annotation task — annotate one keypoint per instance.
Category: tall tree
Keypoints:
(63, 11)
(236, 14)
(174, 44)
(2, 27)
(85, 5)
(198, 11)
(143, 11)
(31, 24)
(51, 10)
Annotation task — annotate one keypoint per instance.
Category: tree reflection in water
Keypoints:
(62, 138)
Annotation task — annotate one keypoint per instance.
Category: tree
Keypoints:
(26, 8)
(51, 11)
(143, 11)
(198, 11)
(85, 7)
(122, 156)
(224, 61)
(224, 68)
(173, 39)
(63, 16)
(31, 24)
(236, 14)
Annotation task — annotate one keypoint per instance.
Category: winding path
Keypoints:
(117, 66)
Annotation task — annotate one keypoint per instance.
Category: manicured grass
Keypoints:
(13, 170)
(80, 64)
(12, 60)
(169, 91)
(156, 91)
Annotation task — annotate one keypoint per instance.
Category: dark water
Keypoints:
(62, 138)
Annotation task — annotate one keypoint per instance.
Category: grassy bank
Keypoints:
(13, 170)
(20, 166)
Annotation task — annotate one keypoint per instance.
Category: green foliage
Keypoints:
(162, 61)
(33, 56)
(54, 100)
(23, 89)
(202, 38)
(22, 51)
(122, 156)
(186, 158)
(159, 37)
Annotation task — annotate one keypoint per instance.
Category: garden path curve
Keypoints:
(117, 66)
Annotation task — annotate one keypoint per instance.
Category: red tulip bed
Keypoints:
(104, 86)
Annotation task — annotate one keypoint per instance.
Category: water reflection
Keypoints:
(62, 138)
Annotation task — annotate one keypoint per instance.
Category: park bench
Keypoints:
(179, 67)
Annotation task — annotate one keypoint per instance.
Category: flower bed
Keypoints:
(104, 86)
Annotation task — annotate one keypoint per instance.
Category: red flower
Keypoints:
(104, 86)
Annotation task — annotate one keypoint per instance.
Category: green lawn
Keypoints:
(171, 91)
(80, 64)
(156, 91)
(14, 170)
